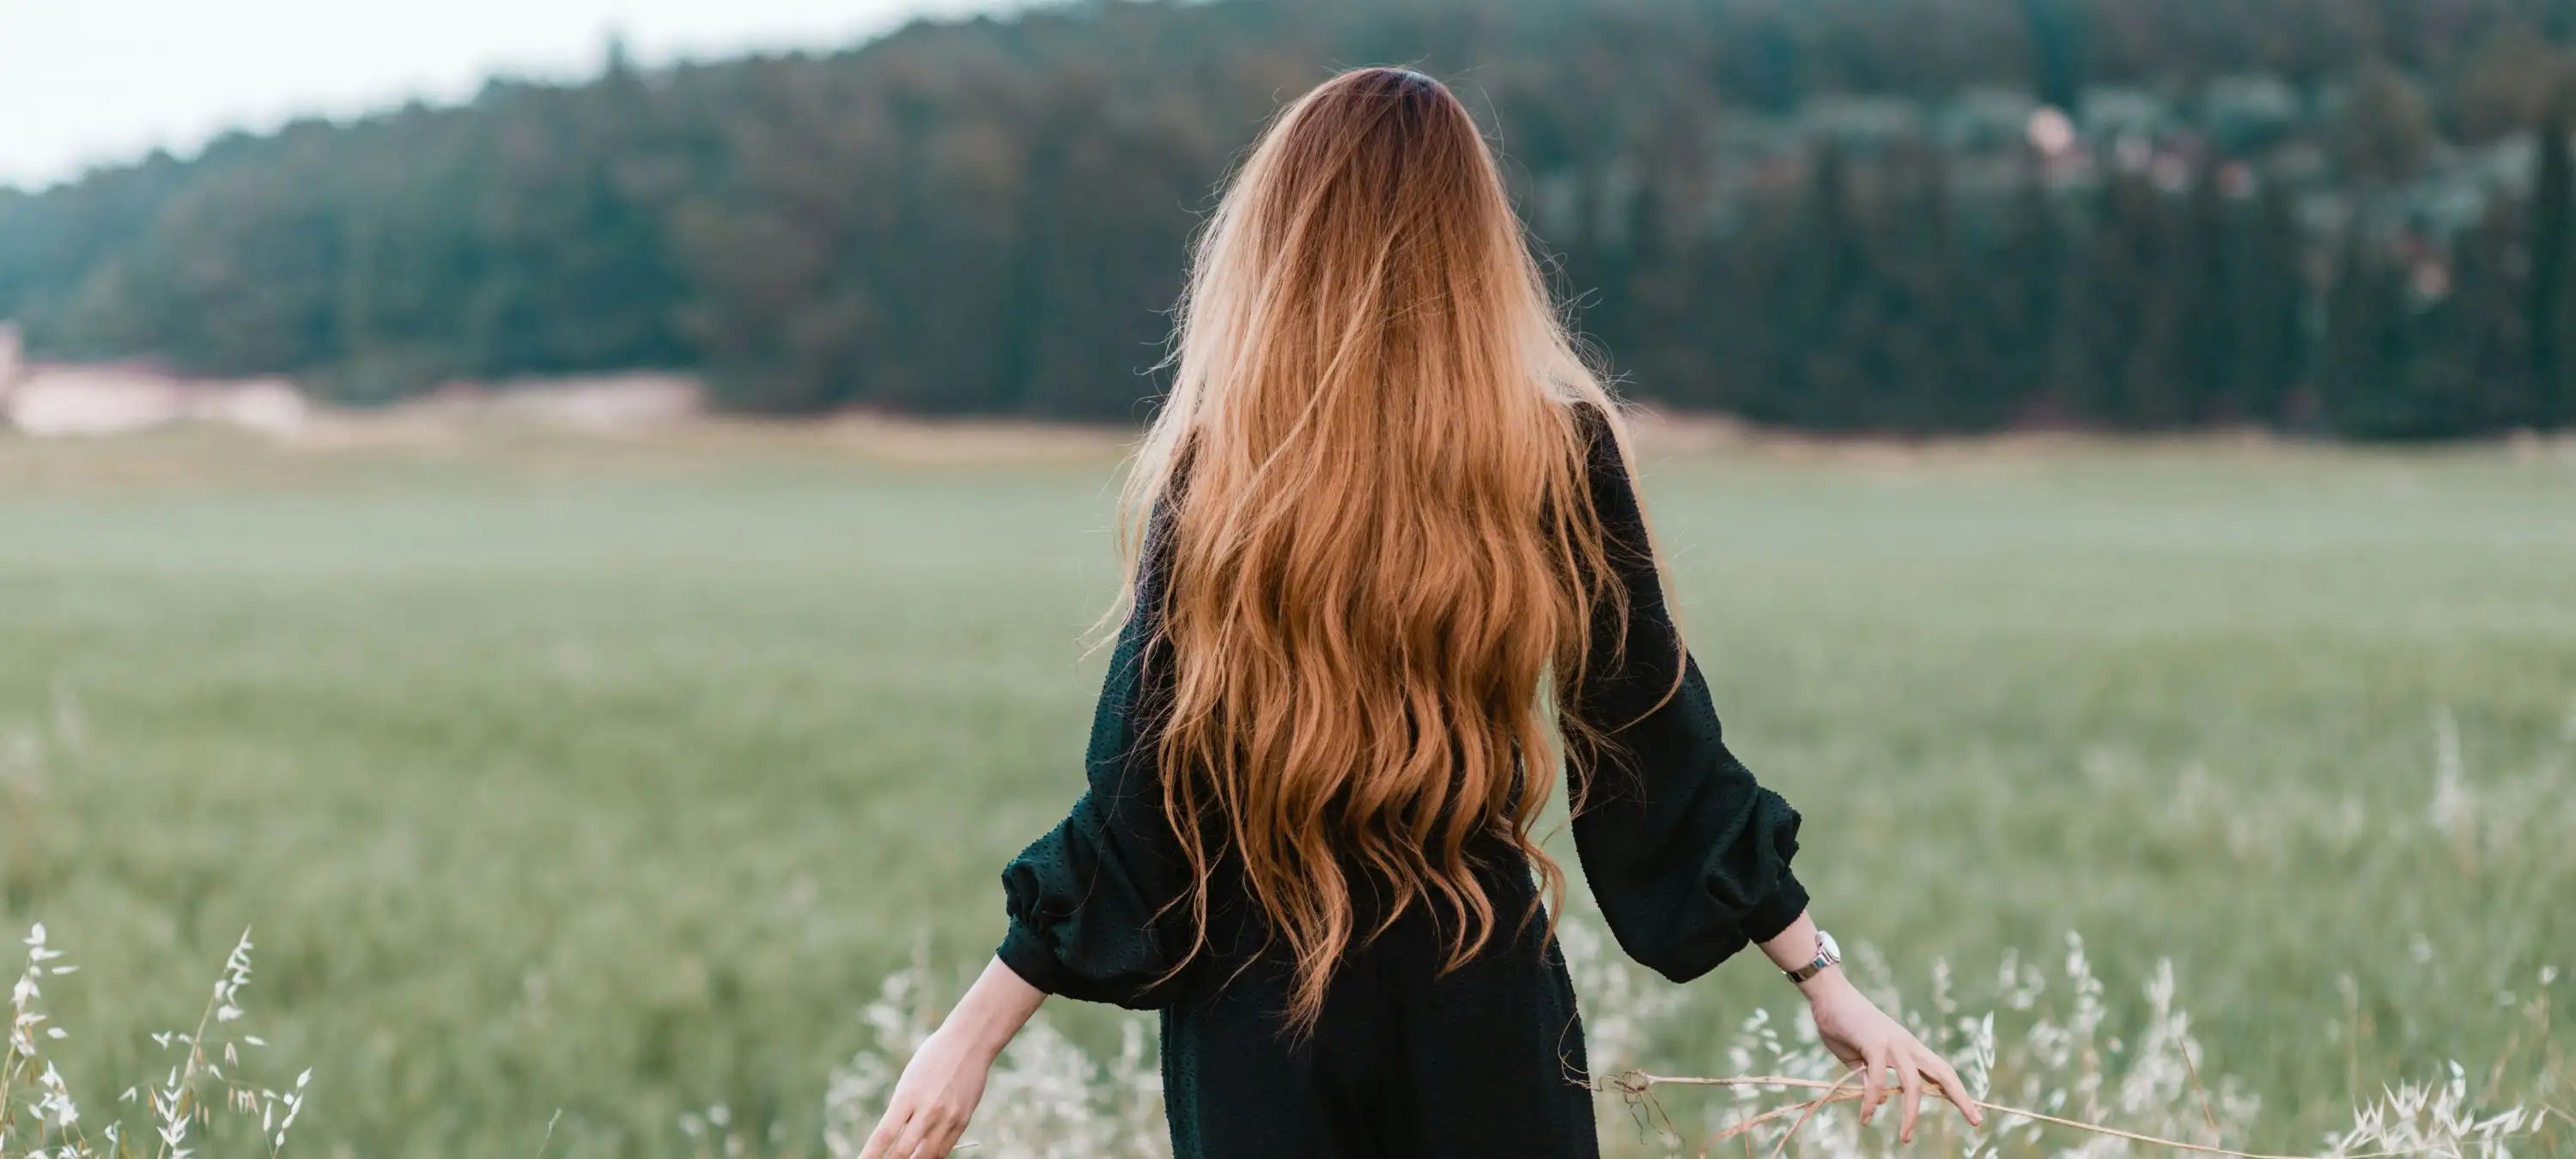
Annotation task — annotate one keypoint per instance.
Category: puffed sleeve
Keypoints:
(1687, 855)
(1084, 899)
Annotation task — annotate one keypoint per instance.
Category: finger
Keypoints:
(946, 1140)
(1872, 1084)
(1909, 1075)
(888, 1129)
(915, 1133)
(1948, 1077)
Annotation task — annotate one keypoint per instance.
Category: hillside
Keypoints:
(1909, 215)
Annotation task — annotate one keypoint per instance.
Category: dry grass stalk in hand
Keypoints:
(1636, 1084)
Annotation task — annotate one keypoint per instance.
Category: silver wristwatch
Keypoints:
(1827, 954)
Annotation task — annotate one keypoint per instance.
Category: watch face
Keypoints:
(1830, 948)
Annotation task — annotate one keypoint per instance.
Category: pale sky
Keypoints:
(90, 81)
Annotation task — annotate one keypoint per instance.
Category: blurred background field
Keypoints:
(609, 776)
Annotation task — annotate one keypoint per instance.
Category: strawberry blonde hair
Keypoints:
(1381, 544)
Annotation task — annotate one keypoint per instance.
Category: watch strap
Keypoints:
(1827, 954)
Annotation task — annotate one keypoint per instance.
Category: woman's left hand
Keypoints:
(945, 1079)
(1866, 1039)
(933, 1100)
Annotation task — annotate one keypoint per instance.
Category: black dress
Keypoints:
(1687, 856)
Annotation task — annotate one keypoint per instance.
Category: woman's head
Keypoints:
(1379, 534)
(1367, 241)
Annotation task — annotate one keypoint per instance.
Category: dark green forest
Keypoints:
(2335, 217)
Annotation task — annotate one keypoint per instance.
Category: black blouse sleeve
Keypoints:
(1087, 900)
(1688, 856)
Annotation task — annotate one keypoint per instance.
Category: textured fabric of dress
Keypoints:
(1687, 856)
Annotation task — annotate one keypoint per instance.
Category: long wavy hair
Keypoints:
(1383, 556)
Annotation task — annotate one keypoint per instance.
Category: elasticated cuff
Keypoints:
(1028, 956)
(1777, 912)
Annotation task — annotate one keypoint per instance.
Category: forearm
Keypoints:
(1795, 948)
(993, 1010)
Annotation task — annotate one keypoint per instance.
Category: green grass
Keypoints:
(608, 779)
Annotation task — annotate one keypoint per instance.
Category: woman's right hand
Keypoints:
(1867, 1040)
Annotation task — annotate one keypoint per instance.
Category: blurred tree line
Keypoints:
(2334, 216)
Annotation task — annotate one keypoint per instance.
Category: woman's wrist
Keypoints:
(979, 1038)
(1799, 948)
(1794, 947)
(1829, 982)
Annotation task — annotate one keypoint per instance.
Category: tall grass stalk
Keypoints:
(40, 1120)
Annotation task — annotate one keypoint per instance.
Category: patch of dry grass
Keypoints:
(206, 1088)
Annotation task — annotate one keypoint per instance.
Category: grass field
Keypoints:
(608, 779)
